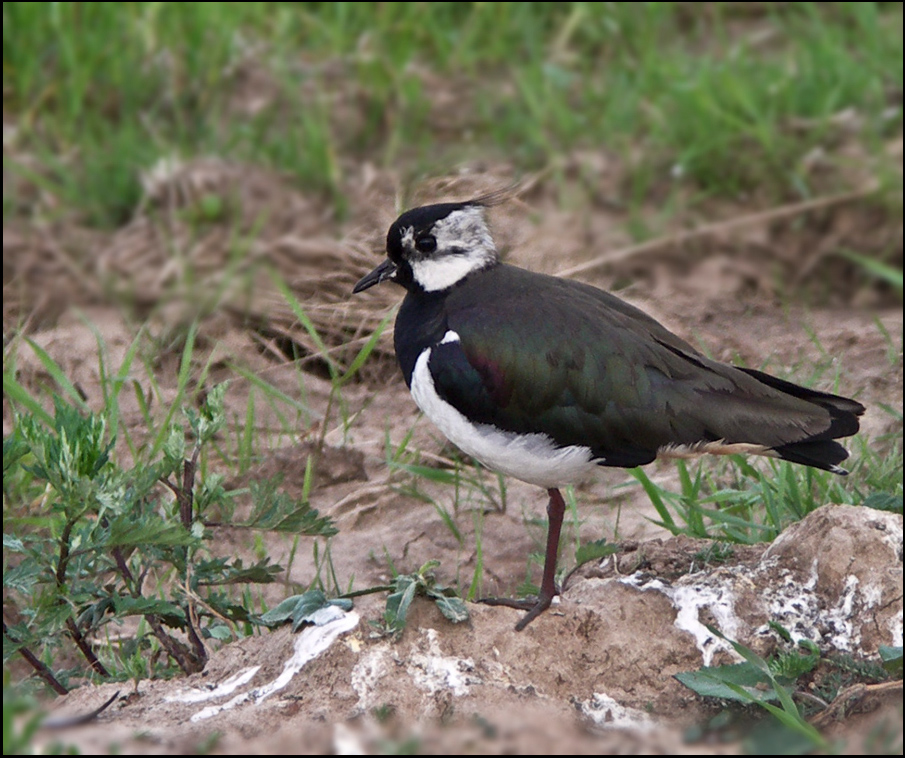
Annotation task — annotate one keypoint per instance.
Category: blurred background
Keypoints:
(190, 191)
(663, 115)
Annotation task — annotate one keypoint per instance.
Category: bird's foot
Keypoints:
(556, 509)
(534, 605)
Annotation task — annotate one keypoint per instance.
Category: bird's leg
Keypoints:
(556, 509)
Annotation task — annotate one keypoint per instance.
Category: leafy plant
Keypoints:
(892, 659)
(102, 542)
(760, 682)
(775, 684)
(310, 607)
(408, 586)
(593, 551)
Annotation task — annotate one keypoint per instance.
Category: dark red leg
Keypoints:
(556, 509)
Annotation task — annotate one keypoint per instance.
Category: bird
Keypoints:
(547, 379)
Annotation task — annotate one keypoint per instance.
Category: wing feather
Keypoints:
(611, 377)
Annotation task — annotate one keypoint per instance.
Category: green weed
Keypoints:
(407, 586)
(307, 608)
(746, 502)
(795, 672)
(90, 540)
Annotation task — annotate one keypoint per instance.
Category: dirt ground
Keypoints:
(596, 673)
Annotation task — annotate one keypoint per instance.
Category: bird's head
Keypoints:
(433, 247)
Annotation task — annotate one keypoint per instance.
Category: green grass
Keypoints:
(99, 91)
(748, 501)
(794, 684)
(141, 514)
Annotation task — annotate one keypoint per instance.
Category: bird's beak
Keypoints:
(384, 271)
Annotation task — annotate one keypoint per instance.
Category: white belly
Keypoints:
(533, 458)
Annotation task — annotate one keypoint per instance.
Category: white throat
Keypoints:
(435, 275)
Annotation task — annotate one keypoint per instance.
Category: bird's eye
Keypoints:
(426, 243)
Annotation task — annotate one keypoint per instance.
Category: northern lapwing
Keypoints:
(545, 379)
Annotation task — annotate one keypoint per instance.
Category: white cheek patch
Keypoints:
(464, 245)
(466, 229)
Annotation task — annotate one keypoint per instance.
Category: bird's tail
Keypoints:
(821, 450)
